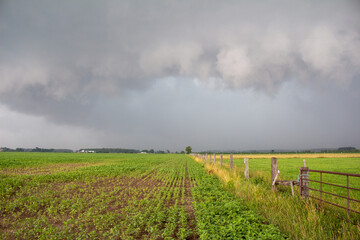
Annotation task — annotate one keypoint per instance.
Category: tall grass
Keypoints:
(297, 218)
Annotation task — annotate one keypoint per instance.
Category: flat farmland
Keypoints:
(120, 196)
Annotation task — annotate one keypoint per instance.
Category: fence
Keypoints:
(302, 182)
(304, 188)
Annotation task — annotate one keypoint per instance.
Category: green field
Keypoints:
(161, 196)
(120, 196)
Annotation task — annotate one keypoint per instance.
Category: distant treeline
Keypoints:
(83, 150)
(120, 150)
(326, 150)
(5, 149)
(109, 150)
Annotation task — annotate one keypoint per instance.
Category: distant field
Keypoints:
(119, 196)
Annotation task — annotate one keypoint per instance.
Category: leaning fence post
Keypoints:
(273, 171)
(214, 158)
(221, 157)
(304, 182)
(231, 161)
(292, 187)
(246, 172)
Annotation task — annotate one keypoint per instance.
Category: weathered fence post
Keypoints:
(214, 158)
(221, 157)
(246, 172)
(304, 182)
(321, 182)
(231, 161)
(292, 187)
(348, 197)
(273, 171)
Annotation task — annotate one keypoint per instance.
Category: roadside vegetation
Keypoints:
(298, 218)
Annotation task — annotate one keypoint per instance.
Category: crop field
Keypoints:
(120, 196)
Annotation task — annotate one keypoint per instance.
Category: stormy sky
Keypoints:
(224, 75)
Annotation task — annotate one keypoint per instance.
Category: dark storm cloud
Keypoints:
(75, 62)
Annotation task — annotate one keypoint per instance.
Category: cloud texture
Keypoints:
(59, 58)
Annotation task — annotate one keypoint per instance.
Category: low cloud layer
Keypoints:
(59, 59)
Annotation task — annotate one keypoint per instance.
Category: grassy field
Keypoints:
(120, 196)
(260, 169)
(301, 220)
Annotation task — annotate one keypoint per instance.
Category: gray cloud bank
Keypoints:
(57, 58)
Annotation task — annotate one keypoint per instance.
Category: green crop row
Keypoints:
(119, 196)
(221, 215)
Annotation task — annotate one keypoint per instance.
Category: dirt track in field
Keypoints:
(49, 169)
(189, 206)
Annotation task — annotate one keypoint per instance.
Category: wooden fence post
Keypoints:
(304, 182)
(221, 157)
(231, 161)
(292, 187)
(246, 172)
(214, 158)
(273, 171)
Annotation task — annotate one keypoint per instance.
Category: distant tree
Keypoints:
(151, 151)
(188, 150)
(347, 149)
(168, 151)
(6, 149)
(182, 152)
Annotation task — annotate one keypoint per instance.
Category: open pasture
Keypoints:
(119, 196)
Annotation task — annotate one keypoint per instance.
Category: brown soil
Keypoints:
(49, 169)
(118, 188)
(189, 206)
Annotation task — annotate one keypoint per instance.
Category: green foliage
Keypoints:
(112, 196)
(188, 150)
(220, 215)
